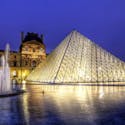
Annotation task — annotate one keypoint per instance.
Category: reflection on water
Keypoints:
(60, 105)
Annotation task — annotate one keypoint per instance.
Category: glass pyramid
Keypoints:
(79, 60)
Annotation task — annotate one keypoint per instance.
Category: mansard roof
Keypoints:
(33, 36)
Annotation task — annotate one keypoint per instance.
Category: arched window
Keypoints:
(34, 50)
(26, 63)
(34, 63)
(15, 63)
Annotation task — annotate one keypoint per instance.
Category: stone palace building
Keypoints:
(32, 51)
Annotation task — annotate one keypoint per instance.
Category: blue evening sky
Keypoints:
(103, 21)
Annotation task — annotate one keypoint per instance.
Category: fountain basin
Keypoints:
(12, 93)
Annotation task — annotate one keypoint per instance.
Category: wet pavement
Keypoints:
(65, 105)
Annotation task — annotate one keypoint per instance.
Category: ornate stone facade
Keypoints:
(32, 51)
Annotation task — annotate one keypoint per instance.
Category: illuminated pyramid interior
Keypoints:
(79, 60)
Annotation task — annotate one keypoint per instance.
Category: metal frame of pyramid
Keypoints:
(79, 60)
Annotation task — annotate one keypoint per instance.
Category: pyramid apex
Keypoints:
(75, 30)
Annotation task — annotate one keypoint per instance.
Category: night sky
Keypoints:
(102, 21)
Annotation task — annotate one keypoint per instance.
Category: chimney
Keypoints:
(42, 37)
(22, 36)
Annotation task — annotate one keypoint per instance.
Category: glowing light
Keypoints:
(100, 68)
(24, 74)
(81, 73)
(23, 84)
(14, 73)
(101, 92)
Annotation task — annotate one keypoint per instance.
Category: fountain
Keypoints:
(5, 82)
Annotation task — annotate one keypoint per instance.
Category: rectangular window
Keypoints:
(33, 50)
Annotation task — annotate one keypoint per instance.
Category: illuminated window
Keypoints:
(26, 48)
(34, 50)
(41, 49)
